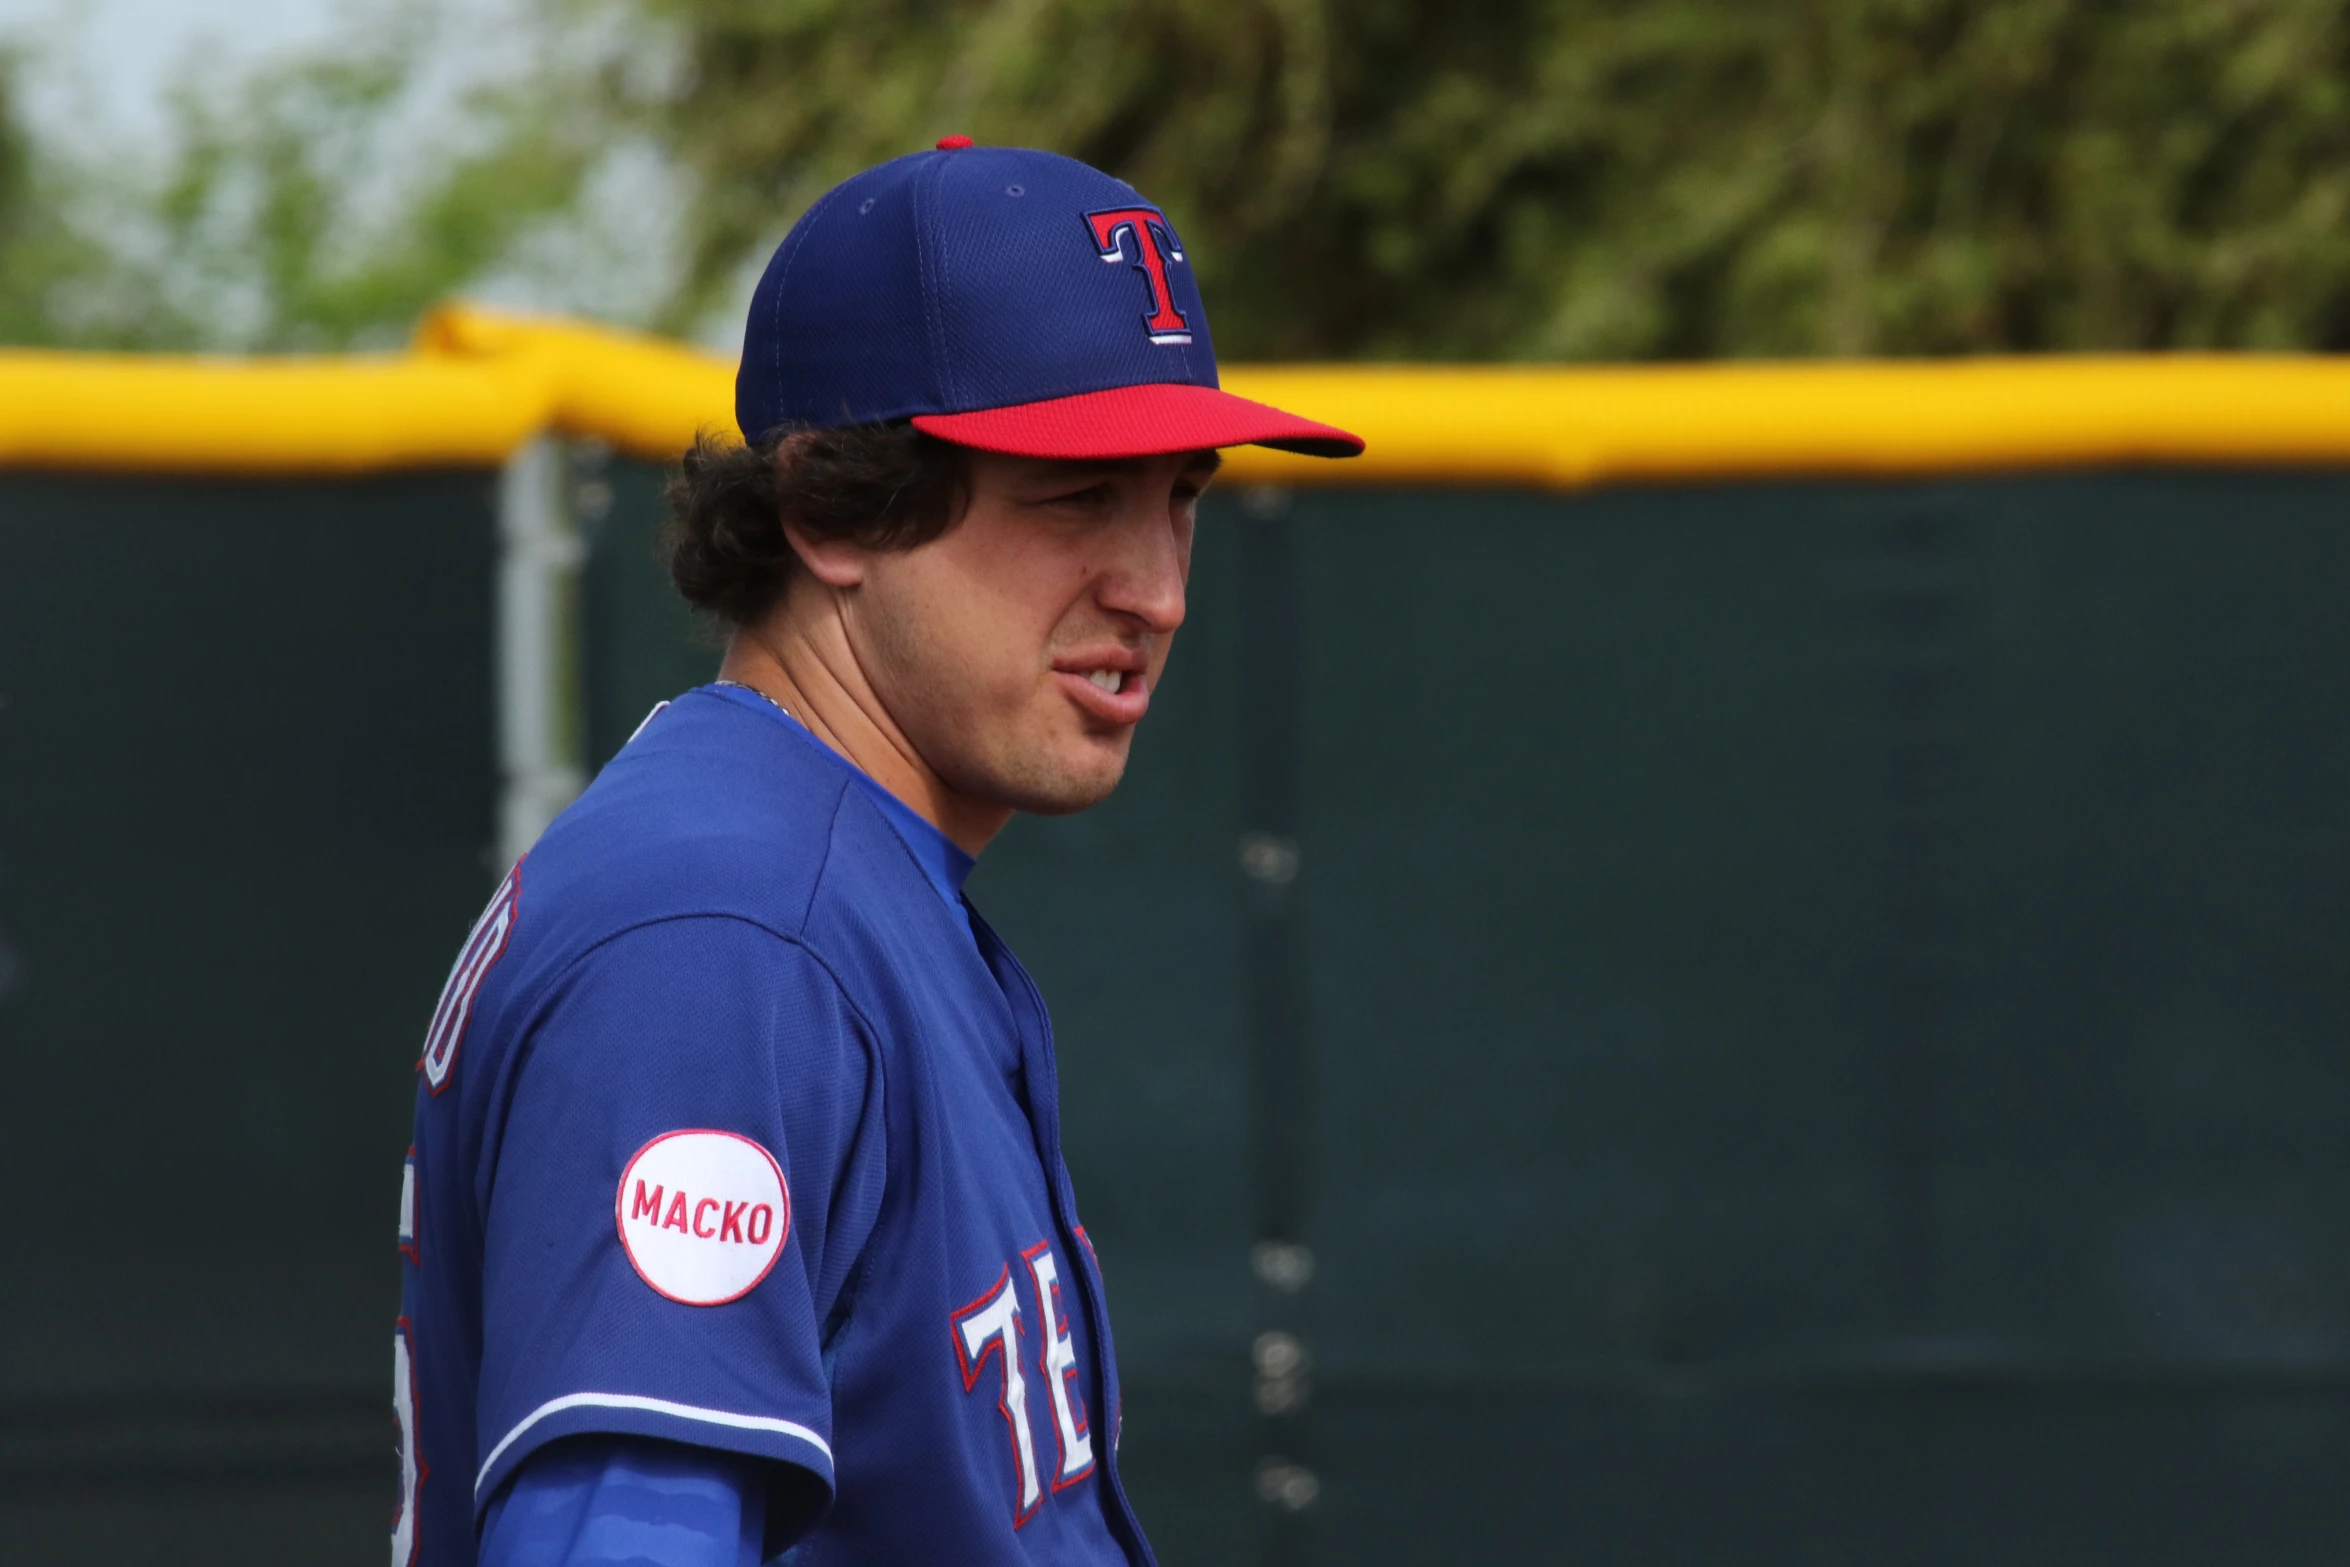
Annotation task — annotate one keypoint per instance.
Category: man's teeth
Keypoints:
(1107, 679)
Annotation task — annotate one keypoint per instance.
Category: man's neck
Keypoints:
(813, 673)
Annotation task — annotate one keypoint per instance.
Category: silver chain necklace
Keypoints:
(762, 696)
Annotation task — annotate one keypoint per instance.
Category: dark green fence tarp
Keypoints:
(1795, 1023)
(1827, 1010)
(246, 802)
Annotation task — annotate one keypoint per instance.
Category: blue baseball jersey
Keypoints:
(732, 1131)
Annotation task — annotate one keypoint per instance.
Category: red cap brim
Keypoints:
(1137, 421)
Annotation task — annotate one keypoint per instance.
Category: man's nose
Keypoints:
(1146, 581)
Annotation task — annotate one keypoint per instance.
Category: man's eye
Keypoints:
(1091, 496)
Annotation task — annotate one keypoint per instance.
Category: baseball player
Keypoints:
(736, 1224)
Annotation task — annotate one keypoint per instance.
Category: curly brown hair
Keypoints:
(887, 486)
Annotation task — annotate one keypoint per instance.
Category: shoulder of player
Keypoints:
(706, 956)
(722, 815)
(712, 809)
(642, 999)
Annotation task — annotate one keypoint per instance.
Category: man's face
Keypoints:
(1017, 651)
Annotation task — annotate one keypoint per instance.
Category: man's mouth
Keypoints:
(1113, 688)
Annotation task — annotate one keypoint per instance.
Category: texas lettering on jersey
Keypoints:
(989, 1330)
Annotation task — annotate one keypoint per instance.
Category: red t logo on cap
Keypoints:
(1163, 321)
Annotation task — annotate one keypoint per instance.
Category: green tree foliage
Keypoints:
(1534, 179)
(308, 206)
(1527, 179)
(41, 253)
(270, 200)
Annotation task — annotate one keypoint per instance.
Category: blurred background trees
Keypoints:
(313, 203)
(1609, 178)
(1515, 179)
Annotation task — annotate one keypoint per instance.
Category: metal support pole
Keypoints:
(539, 720)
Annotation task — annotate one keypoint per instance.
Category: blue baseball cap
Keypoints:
(1000, 298)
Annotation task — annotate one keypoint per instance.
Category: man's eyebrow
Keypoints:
(1204, 462)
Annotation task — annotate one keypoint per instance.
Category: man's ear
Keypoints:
(837, 563)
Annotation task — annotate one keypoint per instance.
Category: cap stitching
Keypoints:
(933, 271)
(791, 250)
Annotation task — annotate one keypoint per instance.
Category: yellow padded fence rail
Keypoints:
(476, 384)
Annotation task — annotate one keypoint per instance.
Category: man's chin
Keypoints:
(1063, 785)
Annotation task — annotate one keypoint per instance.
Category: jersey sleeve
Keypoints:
(684, 1173)
(626, 1502)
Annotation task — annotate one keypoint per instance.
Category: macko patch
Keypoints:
(703, 1215)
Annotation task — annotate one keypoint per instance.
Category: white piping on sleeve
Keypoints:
(658, 1406)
